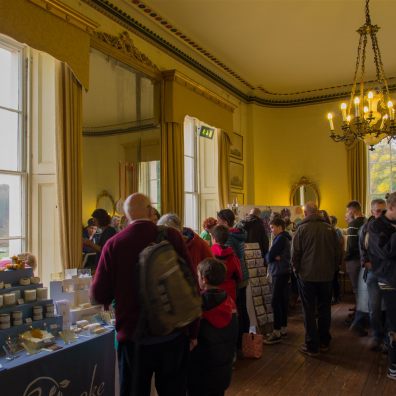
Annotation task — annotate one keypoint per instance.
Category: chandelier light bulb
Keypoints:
(343, 111)
(365, 109)
(370, 97)
(330, 118)
(348, 119)
(356, 101)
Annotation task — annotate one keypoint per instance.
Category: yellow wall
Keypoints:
(294, 142)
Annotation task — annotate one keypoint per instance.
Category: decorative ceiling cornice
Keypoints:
(122, 48)
(180, 78)
(270, 99)
(161, 21)
(67, 13)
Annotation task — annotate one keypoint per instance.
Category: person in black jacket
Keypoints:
(211, 360)
(255, 229)
(278, 259)
(352, 254)
(382, 259)
(378, 206)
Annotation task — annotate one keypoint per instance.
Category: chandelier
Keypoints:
(370, 115)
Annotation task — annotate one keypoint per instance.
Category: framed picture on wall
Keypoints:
(237, 197)
(236, 147)
(236, 175)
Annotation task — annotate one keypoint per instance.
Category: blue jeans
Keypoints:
(375, 306)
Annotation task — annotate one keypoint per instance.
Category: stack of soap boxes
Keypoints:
(20, 312)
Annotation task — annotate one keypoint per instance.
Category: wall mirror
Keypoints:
(106, 201)
(121, 126)
(303, 191)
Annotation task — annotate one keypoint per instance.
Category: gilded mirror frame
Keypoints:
(304, 181)
(106, 194)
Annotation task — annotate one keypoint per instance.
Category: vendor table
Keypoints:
(83, 368)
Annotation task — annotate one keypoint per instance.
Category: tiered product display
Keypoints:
(72, 298)
(260, 286)
(24, 304)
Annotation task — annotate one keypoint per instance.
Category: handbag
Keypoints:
(252, 345)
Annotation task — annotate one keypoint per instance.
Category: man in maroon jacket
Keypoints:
(115, 279)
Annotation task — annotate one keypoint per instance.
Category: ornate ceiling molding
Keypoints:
(263, 96)
(180, 78)
(161, 21)
(121, 47)
(67, 13)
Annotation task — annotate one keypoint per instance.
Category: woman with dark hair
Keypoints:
(102, 220)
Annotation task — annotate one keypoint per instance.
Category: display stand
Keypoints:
(12, 278)
(76, 292)
(260, 287)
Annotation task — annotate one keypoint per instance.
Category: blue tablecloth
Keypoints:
(85, 367)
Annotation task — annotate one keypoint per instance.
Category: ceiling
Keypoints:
(283, 49)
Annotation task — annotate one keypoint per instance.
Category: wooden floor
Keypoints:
(349, 368)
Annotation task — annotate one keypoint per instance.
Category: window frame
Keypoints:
(23, 136)
(195, 193)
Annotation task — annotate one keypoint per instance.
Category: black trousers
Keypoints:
(316, 301)
(243, 316)
(168, 360)
(280, 300)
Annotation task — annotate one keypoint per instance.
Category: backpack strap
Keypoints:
(162, 233)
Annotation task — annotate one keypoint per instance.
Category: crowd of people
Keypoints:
(196, 358)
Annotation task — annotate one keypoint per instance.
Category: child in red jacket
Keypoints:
(210, 365)
(228, 257)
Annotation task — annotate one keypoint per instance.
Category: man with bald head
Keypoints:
(315, 256)
(116, 280)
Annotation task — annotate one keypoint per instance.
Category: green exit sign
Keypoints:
(206, 132)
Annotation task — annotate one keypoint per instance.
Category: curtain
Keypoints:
(69, 164)
(224, 179)
(172, 169)
(357, 172)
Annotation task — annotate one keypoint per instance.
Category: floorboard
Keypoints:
(349, 368)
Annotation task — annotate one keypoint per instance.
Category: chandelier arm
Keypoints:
(356, 73)
(378, 63)
(368, 18)
(363, 66)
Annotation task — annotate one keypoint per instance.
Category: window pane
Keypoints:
(10, 206)
(11, 248)
(9, 140)
(189, 137)
(154, 170)
(189, 177)
(9, 71)
(190, 211)
(154, 189)
(146, 99)
(380, 173)
(381, 152)
(393, 150)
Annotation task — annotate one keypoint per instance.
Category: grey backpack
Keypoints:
(168, 292)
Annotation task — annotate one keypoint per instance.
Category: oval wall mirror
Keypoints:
(106, 201)
(303, 191)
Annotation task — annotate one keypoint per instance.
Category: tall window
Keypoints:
(191, 204)
(382, 163)
(12, 150)
(149, 182)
